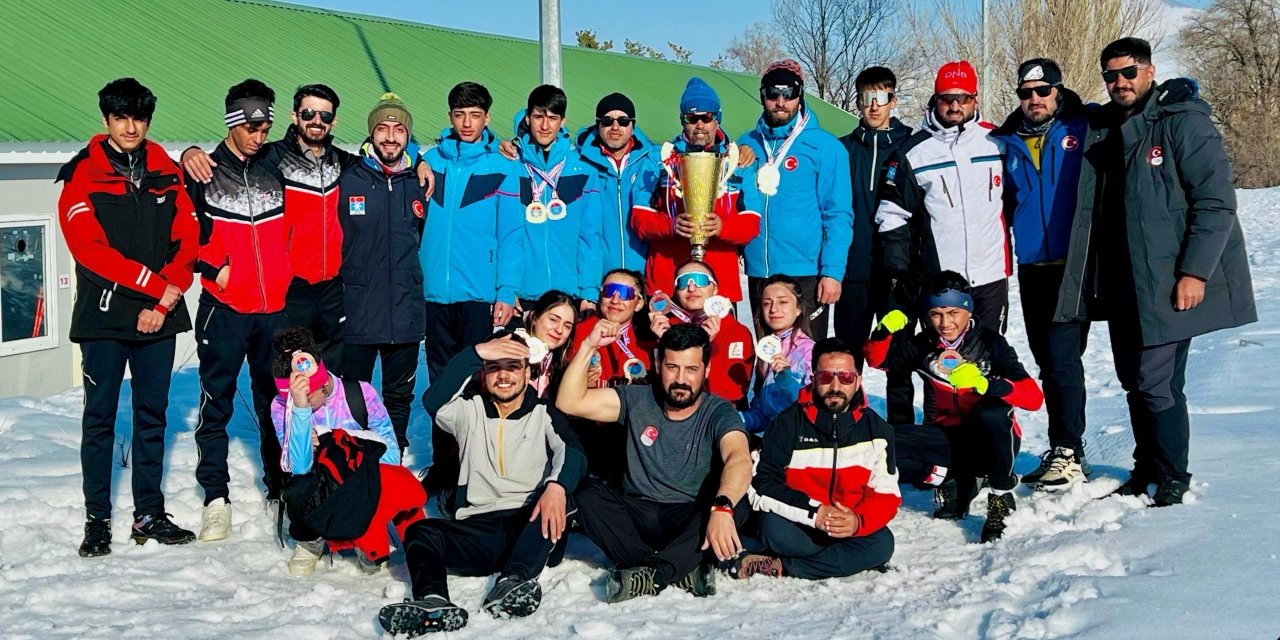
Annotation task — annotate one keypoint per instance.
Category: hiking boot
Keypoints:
(215, 521)
(416, 617)
(999, 506)
(1169, 493)
(513, 597)
(952, 498)
(701, 582)
(366, 565)
(1063, 472)
(161, 529)
(305, 556)
(625, 584)
(1136, 485)
(755, 564)
(97, 538)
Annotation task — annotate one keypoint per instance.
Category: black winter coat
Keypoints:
(869, 154)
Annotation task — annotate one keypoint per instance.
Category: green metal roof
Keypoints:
(59, 54)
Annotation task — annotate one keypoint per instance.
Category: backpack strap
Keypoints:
(355, 401)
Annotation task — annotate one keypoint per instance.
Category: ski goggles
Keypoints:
(1043, 91)
(623, 291)
(607, 121)
(696, 278)
(827, 377)
(695, 118)
(785, 91)
(1130, 72)
(882, 98)
(307, 115)
(950, 98)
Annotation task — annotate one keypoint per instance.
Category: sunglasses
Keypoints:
(623, 291)
(696, 278)
(826, 377)
(307, 115)
(951, 98)
(868, 98)
(694, 118)
(607, 121)
(786, 92)
(1130, 72)
(1043, 91)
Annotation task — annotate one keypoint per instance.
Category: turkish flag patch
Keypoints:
(417, 208)
(790, 163)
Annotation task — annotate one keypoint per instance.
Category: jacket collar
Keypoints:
(895, 134)
(371, 162)
(1070, 107)
(778, 133)
(453, 149)
(531, 153)
(720, 145)
(527, 404)
(819, 418)
(951, 135)
(157, 159)
(589, 148)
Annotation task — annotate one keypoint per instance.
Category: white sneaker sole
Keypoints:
(1054, 488)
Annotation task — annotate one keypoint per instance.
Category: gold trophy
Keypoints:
(704, 176)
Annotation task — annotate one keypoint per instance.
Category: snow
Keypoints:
(1070, 566)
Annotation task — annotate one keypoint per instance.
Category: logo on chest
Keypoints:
(649, 436)
(355, 205)
(1156, 156)
(1070, 143)
(790, 163)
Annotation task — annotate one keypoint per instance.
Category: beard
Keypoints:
(312, 137)
(779, 118)
(389, 160)
(499, 395)
(835, 402)
(681, 403)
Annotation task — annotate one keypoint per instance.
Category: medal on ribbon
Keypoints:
(718, 306)
(535, 213)
(556, 209)
(947, 361)
(304, 363)
(769, 177)
(634, 369)
(768, 348)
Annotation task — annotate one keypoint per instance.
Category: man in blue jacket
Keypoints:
(381, 215)
(627, 170)
(554, 193)
(1042, 171)
(466, 293)
(803, 195)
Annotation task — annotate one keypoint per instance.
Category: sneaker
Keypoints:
(97, 538)
(754, 564)
(367, 566)
(952, 498)
(625, 584)
(305, 556)
(701, 582)
(416, 617)
(1063, 472)
(1170, 493)
(215, 521)
(513, 597)
(161, 529)
(1046, 460)
(1136, 485)
(999, 506)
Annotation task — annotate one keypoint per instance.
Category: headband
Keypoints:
(306, 364)
(249, 110)
(949, 298)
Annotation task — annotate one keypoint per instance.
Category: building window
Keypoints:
(28, 286)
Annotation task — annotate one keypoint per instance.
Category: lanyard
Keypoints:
(774, 158)
(624, 340)
(539, 181)
(952, 344)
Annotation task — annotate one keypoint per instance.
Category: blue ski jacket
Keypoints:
(621, 247)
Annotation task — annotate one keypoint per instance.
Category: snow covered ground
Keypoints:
(1069, 567)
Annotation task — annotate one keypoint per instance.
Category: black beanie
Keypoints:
(615, 102)
(1040, 69)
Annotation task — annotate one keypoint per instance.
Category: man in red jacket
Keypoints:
(132, 232)
(826, 484)
(666, 225)
(732, 350)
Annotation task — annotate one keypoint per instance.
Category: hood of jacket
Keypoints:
(883, 138)
(591, 151)
(371, 162)
(952, 134)
(453, 149)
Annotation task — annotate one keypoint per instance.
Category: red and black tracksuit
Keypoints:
(243, 227)
(972, 434)
(132, 231)
(813, 458)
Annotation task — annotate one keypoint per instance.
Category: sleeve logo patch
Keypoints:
(1070, 143)
(790, 163)
(417, 208)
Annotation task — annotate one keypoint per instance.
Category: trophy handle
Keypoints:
(668, 150)
(730, 164)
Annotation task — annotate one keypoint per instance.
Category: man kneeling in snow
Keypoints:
(345, 481)
(826, 483)
(519, 459)
(977, 381)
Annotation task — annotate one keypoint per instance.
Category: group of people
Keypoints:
(587, 375)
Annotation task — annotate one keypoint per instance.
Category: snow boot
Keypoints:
(513, 597)
(161, 529)
(625, 584)
(755, 564)
(366, 566)
(1063, 472)
(1136, 485)
(215, 521)
(1169, 493)
(701, 582)
(999, 506)
(416, 617)
(952, 498)
(97, 538)
(305, 556)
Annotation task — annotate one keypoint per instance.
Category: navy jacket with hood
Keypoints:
(869, 154)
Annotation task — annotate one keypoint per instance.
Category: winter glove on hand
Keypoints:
(967, 376)
(894, 321)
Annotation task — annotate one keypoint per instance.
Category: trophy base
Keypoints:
(698, 252)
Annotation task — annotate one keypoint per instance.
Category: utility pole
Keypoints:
(984, 76)
(549, 15)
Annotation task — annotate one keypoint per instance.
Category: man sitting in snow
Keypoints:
(519, 460)
(826, 483)
(977, 380)
(674, 506)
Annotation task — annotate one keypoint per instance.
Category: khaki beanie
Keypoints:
(390, 107)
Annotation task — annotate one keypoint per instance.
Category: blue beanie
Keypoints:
(699, 97)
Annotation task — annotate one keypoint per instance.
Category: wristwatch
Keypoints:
(722, 502)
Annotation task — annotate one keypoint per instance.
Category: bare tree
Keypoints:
(587, 39)
(752, 50)
(679, 53)
(835, 39)
(641, 50)
(1233, 48)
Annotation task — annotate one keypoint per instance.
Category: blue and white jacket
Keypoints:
(621, 248)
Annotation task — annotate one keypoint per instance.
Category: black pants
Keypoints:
(319, 307)
(899, 385)
(224, 340)
(634, 531)
(151, 364)
(399, 371)
(1057, 348)
(855, 312)
(812, 554)
(1153, 379)
(503, 542)
(985, 445)
(808, 290)
(991, 304)
(452, 328)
